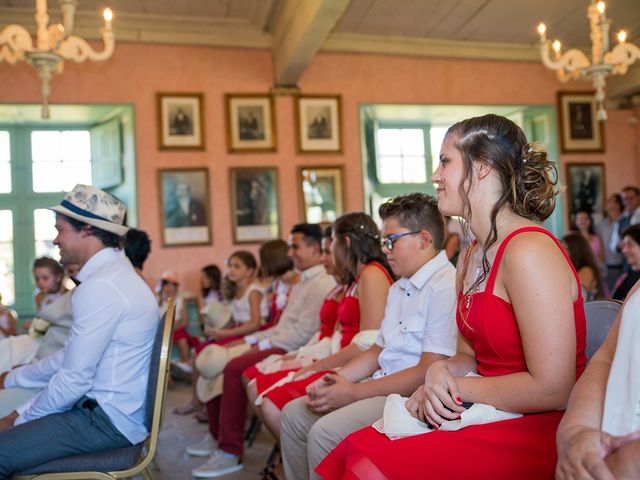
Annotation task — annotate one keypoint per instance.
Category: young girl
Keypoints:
(276, 269)
(520, 317)
(168, 288)
(210, 282)
(248, 307)
(48, 276)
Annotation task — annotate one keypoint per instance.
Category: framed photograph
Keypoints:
(321, 193)
(251, 125)
(184, 200)
(254, 204)
(585, 188)
(319, 123)
(580, 130)
(180, 121)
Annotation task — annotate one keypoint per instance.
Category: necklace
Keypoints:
(474, 287)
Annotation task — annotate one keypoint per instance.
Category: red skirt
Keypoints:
(523, 448)
(181, 333)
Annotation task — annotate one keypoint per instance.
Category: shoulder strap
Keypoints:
(496, 263)
(381, 267)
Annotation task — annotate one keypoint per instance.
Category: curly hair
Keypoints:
(528, 177)
(363, 246)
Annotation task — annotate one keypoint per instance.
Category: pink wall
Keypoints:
(136, 72)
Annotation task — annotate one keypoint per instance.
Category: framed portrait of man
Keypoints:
(180, 121)
(580, 130)
(319, 123)
(251, 125)
(321, 192)
(254, 204)
(585, 189)
(184, 206)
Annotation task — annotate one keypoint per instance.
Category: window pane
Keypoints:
(44, 221)
(436, 134)
(389, 141)
(7, 285)
(5, 167)
(45, 146)
(76, 145)
(414, 170)
(390, 169)
(66, 162)
(412, 141)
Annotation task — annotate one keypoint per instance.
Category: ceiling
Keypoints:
(295, 30)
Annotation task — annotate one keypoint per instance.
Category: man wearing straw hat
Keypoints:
(93, 390)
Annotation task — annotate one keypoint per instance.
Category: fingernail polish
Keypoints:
(458, 399)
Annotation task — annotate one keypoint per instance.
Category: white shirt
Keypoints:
(241, 307)
(301, 317)
(115, 317)
(622, 400)
(419, 317)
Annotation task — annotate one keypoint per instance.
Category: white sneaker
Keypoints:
(207, 446)
(185, 367)
(218, 464)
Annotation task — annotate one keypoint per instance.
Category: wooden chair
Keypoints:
(129, 461)
(600, 315)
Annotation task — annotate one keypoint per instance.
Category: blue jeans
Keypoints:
(83, 429)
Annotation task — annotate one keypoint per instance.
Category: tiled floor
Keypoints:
(178, 431)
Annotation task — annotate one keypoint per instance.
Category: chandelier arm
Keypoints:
(621, 57)
(77, 49)
(15, 40)
(568, 66)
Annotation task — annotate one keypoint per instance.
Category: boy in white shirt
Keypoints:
(418, 329)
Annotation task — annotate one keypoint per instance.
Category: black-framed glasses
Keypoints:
(388, 241)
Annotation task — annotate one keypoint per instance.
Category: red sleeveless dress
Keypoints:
(349, 320)
(522, 448)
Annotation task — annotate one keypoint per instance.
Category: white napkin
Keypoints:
(397, 422)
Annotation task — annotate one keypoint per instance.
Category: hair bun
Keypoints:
(536, 178)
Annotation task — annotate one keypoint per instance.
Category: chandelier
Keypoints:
(54, 44)
(574, 64)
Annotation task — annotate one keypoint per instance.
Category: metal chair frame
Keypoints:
(150, 444)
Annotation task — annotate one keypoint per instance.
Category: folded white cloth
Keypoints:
(365, 338)
(397, 422)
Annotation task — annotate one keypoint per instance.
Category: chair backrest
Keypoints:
(156, 387)
(600, 315)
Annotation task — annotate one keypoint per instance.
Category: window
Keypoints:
(44, 163)
(60, 160)
(401, 155)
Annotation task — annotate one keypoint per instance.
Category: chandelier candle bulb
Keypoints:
(107, 14)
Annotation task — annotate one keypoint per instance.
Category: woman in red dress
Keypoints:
(520, 317)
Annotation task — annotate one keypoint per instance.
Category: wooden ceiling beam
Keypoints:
(298, 34)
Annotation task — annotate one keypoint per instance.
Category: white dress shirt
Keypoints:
(301, 317)
(107, 357)
(419, 317)
(621, 414)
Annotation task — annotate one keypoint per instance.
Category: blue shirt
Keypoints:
(107, 357)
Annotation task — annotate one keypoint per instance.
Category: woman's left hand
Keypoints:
(443, 401)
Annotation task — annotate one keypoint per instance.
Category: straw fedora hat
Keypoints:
(210, 362)
(94, 207)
